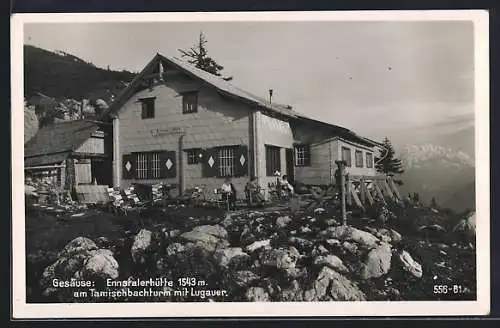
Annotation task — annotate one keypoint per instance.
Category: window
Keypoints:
(193, 156)
(346, 156)
(359, 158)
(147, 108)
(369, 160)
(155, 165)
(190, 102)
(302, 155)
(226, 160)
(273, 160)
(142, 166)
(148, 165)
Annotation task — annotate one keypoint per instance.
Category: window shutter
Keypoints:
(143, 110)
(168, 167)
(128, 166)
(307, 160)
(210, 162)
(295, 155)
(241, 161)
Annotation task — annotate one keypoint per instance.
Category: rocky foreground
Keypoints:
(268, 256)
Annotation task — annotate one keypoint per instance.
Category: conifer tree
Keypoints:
(389, 164)
(198, 56)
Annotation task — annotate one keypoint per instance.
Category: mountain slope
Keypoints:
(442, 173)
(62, 76)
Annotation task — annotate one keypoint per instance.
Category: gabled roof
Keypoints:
(224, 87)
(228, 89)
(52, 143)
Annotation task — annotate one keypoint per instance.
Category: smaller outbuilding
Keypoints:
(64, 155)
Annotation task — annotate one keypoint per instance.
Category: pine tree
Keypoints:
(199, 57)
(389, 164)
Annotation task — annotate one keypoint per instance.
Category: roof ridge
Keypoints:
(225, 87)
(199, 69)
(62, 122)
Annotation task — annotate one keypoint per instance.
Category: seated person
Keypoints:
(253, 191)
(286, 185)
(228, 192)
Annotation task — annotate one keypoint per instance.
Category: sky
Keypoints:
(377, 78)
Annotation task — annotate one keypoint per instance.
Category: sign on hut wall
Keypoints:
(162, 132)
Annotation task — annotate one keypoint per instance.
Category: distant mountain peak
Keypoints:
(431, 154)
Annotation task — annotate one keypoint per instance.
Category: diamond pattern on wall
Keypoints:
(211, 161)
(128, 165)
(169, 164)
(242, 160)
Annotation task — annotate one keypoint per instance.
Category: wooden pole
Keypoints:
(341, 168)
(362, 191)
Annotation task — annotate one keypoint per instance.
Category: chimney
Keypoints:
(270, 96)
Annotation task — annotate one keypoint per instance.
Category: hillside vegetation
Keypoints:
(64, 76)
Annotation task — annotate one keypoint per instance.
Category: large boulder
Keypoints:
(282, 221)
(142, 245)
(79, 245)
(386, 235)
(256, 294)
(331, 285)
(377, 263)
(208, 237)
(256, 245)
(243, 278)
(224, 256)
(228, 221)
(409, 265)
(331, 261)
(80, 260)
(302, 244)
(174, 248)
(467, 227)
(280, 258)
(101, 264)
(347, 233)
(214, 230)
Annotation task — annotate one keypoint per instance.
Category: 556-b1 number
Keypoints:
(448, 289)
